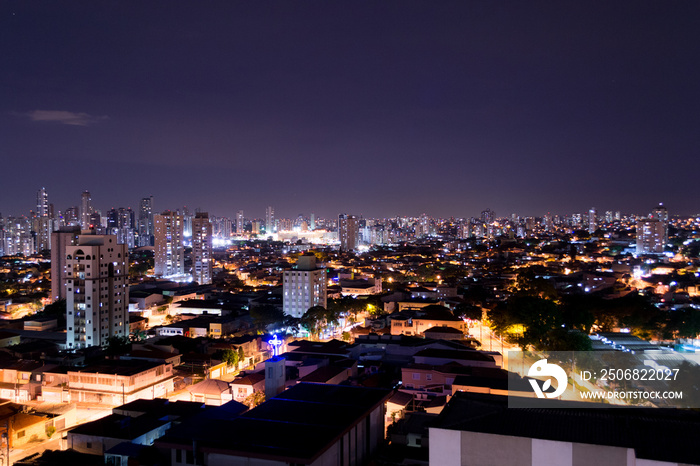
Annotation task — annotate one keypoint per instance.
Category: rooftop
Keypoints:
(295, 424)
(654, 433)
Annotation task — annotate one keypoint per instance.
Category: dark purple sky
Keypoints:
(379, 107)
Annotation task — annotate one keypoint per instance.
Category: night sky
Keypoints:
(378, 108)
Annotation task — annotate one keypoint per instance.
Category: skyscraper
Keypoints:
(269, 220)
(348, 232)
(169, 249)
(85, 210)
(201, 248)
(304, 286)
(97, 293)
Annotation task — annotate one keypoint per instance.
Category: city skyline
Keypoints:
(294, 213)
(379, 109)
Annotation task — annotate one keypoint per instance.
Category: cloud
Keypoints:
(63, 117)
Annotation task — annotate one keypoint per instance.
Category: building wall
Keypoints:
(420, 379)
(108, 388)
(30, 433)
(216, 459)
(461, 448)
(61, 239)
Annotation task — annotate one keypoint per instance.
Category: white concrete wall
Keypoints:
(445, 447)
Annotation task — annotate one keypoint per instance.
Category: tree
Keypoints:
(683, 323)
(265, 315)
(633, 311)
(527, 320)
(561, 339)
(57, 309)
(117, 345)
(241, 354)
(468, 311)
(230, 357)
(317, 318)
(254, 399)
(531, 282)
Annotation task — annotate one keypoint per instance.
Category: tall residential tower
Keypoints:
(348, 232)
(201, 248)
(169, 249)
(97, 292)
(303, 287)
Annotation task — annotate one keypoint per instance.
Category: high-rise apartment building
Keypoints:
(72, 216)
(348, 229)
(18, 237)
(60, 240)
(488, 216)
(86, 210)
(650, 236)
(42, 203)
(660, 213)
(240, 223)
(97, 292)
(422, 226)
(146, 221)
(187, 221)
(169, 249)
(304, 287)
(269, 220)
(592, 220)
(42, 224)
(42, 228)
(201, 248)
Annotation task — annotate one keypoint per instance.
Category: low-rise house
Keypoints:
(201, 326)
(443, 332)
(138, 423)
(244, 386)
(360, 287)
(153, 354)
(332, 374)
(40, 324)
(28, 425)
(119, 382)
(98, 436)
(211, 392)
(417, 321)
(472, 358)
